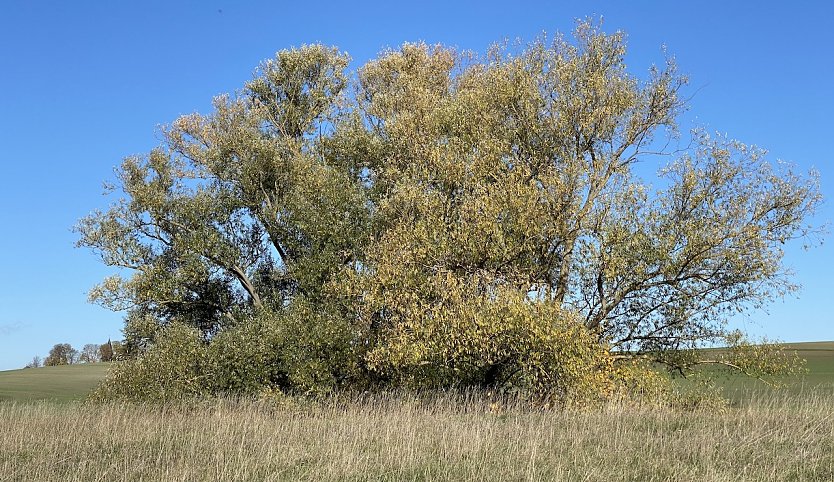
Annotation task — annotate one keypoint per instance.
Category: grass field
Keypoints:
(819, 379)
(62, 383)
(400, 438)
(765, 435)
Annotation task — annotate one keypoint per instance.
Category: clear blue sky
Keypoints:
(83, 84)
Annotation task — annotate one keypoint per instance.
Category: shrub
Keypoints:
(295, 350)
(171, 369)
(500, 340)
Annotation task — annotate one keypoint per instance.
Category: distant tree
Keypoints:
(35, 363)
(105, 351)
(90, 354)
(118, 350)
(110, 351)
(61, 354)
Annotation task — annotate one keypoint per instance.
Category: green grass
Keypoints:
(62, 383)
(819, 379)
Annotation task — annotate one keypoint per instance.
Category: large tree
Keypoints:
(452, 219)
(518, 173)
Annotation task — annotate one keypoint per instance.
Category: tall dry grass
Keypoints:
(403, 438)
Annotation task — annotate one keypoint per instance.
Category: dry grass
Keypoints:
(400, 438)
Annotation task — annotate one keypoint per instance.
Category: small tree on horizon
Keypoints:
(110, 351)
(90, 353)
(61, 354)
(35, 363)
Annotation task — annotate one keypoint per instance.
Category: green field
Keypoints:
(62, 383)
(818, 379)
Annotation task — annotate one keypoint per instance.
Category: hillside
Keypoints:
(820, 376)
(62, 383)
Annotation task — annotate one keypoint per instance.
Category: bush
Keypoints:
(171, 369)
(500, 341)
(295, 350)
(246, 357)
(298, 349)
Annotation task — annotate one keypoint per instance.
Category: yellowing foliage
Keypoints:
(500, 340)
(443, 219)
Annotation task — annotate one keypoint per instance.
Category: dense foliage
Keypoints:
(61, 354)
(439, 219)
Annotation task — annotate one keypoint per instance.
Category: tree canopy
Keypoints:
(440, 218)
(61, 354)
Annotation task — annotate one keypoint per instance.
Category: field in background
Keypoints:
(402, 438)
(62, 383)
(819, 379)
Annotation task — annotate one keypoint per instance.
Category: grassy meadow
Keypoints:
(818, 379)
(400, 438)
(766, 435)
(60, 383)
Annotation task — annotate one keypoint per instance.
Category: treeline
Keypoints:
(65, 354)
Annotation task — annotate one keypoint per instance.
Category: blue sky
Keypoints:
(84, 84)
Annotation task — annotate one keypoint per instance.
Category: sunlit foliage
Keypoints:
(443, 219)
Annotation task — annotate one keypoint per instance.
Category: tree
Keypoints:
(449, 220)
(61, 354)
(110, 351)
(260, 220)
(90, 354)
(517, 174)
(35, 363)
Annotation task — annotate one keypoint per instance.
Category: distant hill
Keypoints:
(820, 356)
(820, 376)
(62, 383)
